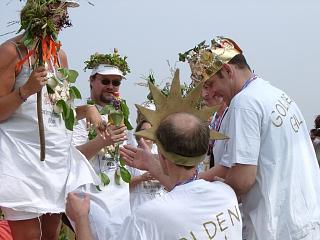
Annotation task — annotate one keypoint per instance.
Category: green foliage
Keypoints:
(125, 175)
(184, 56)
(104, 178)
(75, 93)
(125, 110)
(67, 114)
(39, 19)
(113, 59)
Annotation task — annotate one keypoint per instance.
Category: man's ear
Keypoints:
(228, 70)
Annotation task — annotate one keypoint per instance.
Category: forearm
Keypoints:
(241, 178)
(10, 103)
(82, 111)
(91, 148)
(216, 171)
(82, 229)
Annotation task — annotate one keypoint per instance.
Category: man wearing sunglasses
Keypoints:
(105, 81)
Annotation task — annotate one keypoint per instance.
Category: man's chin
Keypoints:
(106, 99)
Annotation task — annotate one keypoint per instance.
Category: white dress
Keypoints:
(31, 185)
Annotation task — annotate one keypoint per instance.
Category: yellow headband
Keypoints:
(175, 103)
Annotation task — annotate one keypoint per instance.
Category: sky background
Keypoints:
(280, 39)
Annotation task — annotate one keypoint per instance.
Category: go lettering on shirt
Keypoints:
(280, 113)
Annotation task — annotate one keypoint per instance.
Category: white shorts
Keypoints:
(13, 215)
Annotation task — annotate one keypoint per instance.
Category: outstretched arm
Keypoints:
(142, 159)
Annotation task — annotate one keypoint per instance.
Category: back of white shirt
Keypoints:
(197, 210)
(267, 129)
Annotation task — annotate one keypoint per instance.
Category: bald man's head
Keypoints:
(184, 134)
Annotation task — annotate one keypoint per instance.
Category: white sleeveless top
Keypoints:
(31, 185)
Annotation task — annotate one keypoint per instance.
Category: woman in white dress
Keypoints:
(33, 192)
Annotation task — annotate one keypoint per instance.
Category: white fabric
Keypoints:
(28, 184)
(197, 210)
(267, 129)
(146, 190)
(105, 69)
(113, 199)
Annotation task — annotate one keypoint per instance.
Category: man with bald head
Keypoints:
(194, 208)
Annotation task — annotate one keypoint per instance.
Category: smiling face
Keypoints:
(103, 88)
(209, 95)
(224, 84)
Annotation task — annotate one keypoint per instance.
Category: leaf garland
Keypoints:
(113, 59)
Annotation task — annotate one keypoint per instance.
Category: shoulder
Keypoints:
(63, 58)
(8, 52)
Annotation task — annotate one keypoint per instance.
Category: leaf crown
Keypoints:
(113, 59)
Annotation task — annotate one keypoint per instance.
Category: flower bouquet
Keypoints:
(118, 114)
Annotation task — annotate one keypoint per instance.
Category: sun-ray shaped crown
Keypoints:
(174, 103)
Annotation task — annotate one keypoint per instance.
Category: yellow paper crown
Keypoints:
(175, 103)
(206, 61)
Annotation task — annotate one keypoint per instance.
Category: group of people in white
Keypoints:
(261, 183)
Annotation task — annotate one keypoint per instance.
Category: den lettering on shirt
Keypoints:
(217, 226)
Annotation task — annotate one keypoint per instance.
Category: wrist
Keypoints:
(22, 95)
(25, 93)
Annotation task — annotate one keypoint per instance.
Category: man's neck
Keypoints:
(180, 175)
(243, 76)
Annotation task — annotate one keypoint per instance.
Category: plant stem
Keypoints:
(39, 113)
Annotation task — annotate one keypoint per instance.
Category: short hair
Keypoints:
(184, 134)
(240, 61)
(139, 126)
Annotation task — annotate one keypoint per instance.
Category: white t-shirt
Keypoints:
(146, 190)
(267, 129)
(197, 210)
(113, 199)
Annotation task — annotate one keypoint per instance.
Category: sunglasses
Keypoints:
(115, 83)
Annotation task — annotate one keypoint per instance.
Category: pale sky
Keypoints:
(280, 39)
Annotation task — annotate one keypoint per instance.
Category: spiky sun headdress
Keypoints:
(205, 60)
(175, 103)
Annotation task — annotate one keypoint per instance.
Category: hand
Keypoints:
(115, 134)
(93, 118)
(38, 78)
(77, 207)
(136, 157)
(142, 143)
(147, 177)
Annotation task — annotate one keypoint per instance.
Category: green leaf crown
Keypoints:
(113, 59)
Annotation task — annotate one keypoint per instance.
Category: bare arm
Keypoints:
(241, 178)
(77, 209)
(216, 171)
(11, 100)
